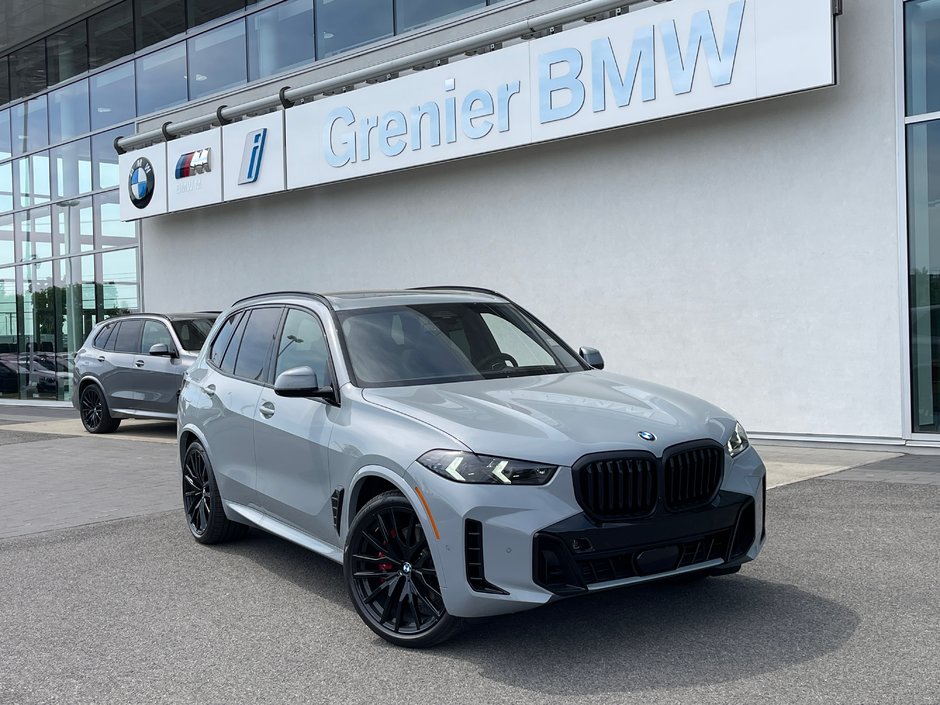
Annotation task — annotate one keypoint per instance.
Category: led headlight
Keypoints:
(738, 442)
(485, 469)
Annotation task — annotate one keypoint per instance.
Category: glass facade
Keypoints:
(66, 259)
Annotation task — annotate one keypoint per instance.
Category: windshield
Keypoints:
(192, 332)
(429, 343)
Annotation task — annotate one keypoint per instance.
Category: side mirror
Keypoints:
(302, 382)
(161, 350)
(593, 357)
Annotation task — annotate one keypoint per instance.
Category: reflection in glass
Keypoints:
(202, 11)
(43, 369)
(76, 277)
(4, 80)
(28, 70)
(31, 180)
(161, 79)
(112, 231)
(112, 96)
(33, 230)
(217, 60)
(280, 38)
(158, 20)
(67, 53)
(7, 246)
(6, 187)
(105, 159)
(73, 227)
(110, 35)
(68, 112)
(29, 125)
(6, 141)
(413, 13)
(119, 282)
(9, 334)
(344, 24)
(71, 168)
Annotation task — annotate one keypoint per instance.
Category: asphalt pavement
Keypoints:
(841, 607)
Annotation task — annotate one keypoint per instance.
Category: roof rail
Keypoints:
(477, 289)
(310, 294)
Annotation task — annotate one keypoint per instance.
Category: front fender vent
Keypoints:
(336, 501)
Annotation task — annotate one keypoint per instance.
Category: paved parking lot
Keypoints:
(842, 607)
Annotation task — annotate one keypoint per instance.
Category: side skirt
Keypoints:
(278, 528)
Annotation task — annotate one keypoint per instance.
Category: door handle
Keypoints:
(101, 358)
(209, 390)
(139, 363)
(267, 410)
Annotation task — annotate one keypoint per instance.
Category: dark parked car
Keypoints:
(132, 367)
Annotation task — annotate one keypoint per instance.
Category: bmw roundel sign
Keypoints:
(141, 182)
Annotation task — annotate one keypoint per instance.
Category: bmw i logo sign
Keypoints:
(141, 182)
(646, 436)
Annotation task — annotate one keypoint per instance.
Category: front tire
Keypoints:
(202, 502)
(391, 576)
(96, 418)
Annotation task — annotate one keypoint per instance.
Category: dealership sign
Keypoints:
(672, 59)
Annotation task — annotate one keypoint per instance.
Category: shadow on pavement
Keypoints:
(657, 636)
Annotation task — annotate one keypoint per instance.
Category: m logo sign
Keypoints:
(193, 163)
(251, 158)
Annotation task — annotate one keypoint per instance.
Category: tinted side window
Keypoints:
(154, 333)
(256, 343)
(228, 362)
(222, 339)
(112, 339)
(102, 338)
(128, 337)
(303, 343)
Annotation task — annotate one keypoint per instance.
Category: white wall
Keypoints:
(748, 255)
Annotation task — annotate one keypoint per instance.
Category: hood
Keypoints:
(558, 418)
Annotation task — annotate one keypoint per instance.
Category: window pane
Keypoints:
(201, 11)
(412, 13)
(110, 35)
(29, 126)
(76, 276)
(161, 79)
(156, 333)
(33, 230)
(128, 336)
(105, 159)
(71, 169)
(217, 60)
(68, 112)
(344, 24)
(40, 322)
(119, 282)
(28, 70)
(256, 343)
(280, 38)
(4, 80)
(31, 180)
(72, 227)
(222, 339)
(303, 343)
(67, 53)
(7, 246)
(111, 231)
(158, 20)
(228, 361)
(9, 334)
(6, 140)
(6, 187)
(112, 96)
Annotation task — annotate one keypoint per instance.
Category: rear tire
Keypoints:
(391, 577)
(202, 503)
(96, 418)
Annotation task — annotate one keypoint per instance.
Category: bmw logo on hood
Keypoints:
(141, 182)
(646, 436)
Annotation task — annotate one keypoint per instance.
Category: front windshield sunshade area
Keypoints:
(433, 343)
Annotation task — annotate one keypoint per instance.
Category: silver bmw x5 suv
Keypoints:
(455, 456)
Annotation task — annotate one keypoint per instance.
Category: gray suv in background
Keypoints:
(132, 367)
(455, 456)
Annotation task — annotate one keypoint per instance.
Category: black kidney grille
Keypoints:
(692, 476)
(618, 487)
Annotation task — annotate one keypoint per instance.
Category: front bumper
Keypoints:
(507, 549)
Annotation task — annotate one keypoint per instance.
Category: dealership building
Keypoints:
(737, 198)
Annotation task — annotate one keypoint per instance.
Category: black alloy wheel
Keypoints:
(391, 576)
(201, 500)
(94, 411)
